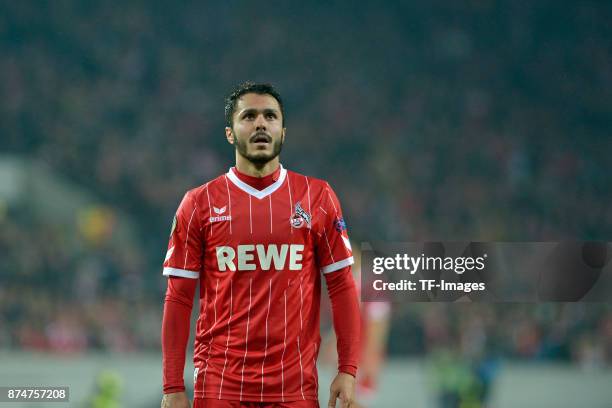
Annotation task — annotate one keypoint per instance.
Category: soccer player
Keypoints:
(257, 240)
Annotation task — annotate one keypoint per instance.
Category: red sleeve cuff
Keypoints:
(172, 390)
(348, 369)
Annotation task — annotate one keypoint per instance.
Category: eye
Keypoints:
(270, 115)
(249, 115)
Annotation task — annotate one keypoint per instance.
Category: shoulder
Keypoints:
(320, 191)
(200, 195)
(316, 185)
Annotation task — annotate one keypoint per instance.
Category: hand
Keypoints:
(342, 387)
(175, 400)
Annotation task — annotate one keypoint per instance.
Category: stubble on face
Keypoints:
(258, 158)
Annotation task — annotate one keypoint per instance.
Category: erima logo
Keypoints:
(220, 218)
(266, 257)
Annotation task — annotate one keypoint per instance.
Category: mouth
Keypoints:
(261, 139)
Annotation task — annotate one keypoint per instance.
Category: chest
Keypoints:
(244, 232)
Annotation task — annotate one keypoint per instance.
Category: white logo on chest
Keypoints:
(266, 257)
(219, 210)
(220, 218)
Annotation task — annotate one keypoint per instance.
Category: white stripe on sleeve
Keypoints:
(338, 265)
(332, 201)
(181, 272)
(331, 254)
(187, 238)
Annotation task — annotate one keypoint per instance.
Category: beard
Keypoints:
(258, 158)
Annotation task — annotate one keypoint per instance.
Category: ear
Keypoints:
(283, 135)
(229, 135)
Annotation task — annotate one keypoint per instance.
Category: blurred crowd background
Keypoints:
(474, 120)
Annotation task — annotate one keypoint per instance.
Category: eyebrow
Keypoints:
(253, 110)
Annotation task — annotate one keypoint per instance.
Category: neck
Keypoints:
(249, 168)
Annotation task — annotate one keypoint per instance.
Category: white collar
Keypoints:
(254, 192)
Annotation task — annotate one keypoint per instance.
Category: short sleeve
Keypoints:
(333, 247)
(184, 254)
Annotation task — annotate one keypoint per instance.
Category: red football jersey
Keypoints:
(259, 255)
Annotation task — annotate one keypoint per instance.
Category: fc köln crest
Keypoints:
(299, 217)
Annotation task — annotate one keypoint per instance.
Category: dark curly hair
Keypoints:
(245, 88)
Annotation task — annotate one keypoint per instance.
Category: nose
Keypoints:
(260, 123)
